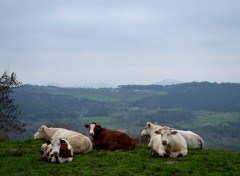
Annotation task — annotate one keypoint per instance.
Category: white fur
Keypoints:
(175, 144)
(193, 140)
(54, 154)
(45, 150)
(79, 142)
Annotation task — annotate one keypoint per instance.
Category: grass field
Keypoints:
(203, 118)
(107, 95)
(22, 158)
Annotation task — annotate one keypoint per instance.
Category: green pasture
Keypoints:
(104, 94)
(98, 119)
(22, 158)
(204, 118)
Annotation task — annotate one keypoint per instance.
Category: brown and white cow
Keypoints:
(46, 148)
(79, 142)
(193, 140)
(172, 142)
(61, 151)
(106, 139)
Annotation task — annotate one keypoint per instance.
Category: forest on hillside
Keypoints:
(209, 109)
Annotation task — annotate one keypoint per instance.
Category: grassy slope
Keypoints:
(22, 158)
(204, 118)
(111, 95)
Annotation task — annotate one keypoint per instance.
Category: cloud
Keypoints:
(120, 41)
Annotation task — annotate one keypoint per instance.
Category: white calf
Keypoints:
(61, 151)
(172, 142)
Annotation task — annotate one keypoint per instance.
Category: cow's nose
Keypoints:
(164, 142)
(55, 153)
(91, 134)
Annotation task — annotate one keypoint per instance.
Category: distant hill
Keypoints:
(168, 82)
(98, 85)
(210, 109)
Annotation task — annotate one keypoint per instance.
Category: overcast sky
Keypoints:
(79, 42)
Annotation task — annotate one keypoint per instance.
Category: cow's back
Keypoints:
(64, 134)
(79, 142)
(179, 142)
(115, 140)
(192, 139)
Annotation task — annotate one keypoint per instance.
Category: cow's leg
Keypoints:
(150, 143)
(119, 146)
(178, 154)
(184, 152)
(162, 153)
(154, 153)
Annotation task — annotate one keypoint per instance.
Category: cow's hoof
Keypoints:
(180, 155)
(164, 155)
(154, 154)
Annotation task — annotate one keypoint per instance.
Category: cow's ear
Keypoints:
(98, 127)
(42, 127)
(173, 132)
(62, 141)
(87, 126)
(158, 131)
(47, 142)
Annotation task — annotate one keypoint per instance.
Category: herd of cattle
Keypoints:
(60, 144)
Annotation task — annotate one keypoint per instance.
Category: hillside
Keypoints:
(23, 158)
(212, 110)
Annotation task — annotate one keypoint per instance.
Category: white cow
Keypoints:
(149, 130)
(172, 142)
(61, 151)
(193, 140)
(157, 149)
(155, 140)
(79, 142)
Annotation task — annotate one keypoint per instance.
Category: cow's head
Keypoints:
(60, 148)
(166, 134)
(55, 147)
(40, 134)
(46, 148)
(93, 128)
(148, 128)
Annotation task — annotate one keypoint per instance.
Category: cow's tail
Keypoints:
(201, 142)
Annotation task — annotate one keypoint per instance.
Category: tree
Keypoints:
(9, 124)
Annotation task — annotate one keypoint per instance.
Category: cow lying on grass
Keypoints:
(172, 143)
(106, 139)
(57, 151)
(79, 142)
(193, 140)
(61, 151)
